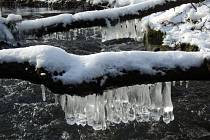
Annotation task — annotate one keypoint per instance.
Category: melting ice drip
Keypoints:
(142, 103)
(128, 29)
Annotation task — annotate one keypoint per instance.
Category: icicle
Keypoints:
(79, 111)
(63, 101)
(187, 84)
(140, 102)
(56, 98)
(174, 83)
(69, 109)
(156, 101)
(99, 117)
(180, 83)
(67, 35)
(0, 11)
(167, 103)
(43, 93)
(90, 109)
(128, 29)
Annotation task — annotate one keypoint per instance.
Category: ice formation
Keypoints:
(129, 29)
(142, 103)
(181, 83)
(76, 34)
(43, 93)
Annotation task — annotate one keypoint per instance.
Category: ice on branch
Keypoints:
(129, 29)
(142, 103)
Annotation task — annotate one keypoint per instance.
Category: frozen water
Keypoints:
(56, 99)
(43, 93)
(187, 84)
(142, 103)
(128, 29)
(75, 34)
(180, 83)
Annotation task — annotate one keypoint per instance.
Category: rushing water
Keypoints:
(28, 111)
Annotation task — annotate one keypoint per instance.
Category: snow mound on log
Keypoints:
(78, 69)
(63, 19)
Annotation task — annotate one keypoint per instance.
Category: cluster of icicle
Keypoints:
(142, 103)
(133, 29)
(128, 29)
(71, 35)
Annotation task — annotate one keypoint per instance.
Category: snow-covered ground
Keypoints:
(183, 24)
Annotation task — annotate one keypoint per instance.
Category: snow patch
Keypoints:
(183, 24)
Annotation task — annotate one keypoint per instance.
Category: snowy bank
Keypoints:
(72, 73)
(183, 24)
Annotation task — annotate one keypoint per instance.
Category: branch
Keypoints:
(82, 75)
(105, 17)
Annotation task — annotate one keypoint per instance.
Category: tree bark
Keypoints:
(107, 17)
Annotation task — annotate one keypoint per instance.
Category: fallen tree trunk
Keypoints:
(70, 74)
(105, 17)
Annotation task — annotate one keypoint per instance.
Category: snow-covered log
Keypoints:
(96, 18)
(82, 75)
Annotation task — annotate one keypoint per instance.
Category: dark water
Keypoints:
(24, 115)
